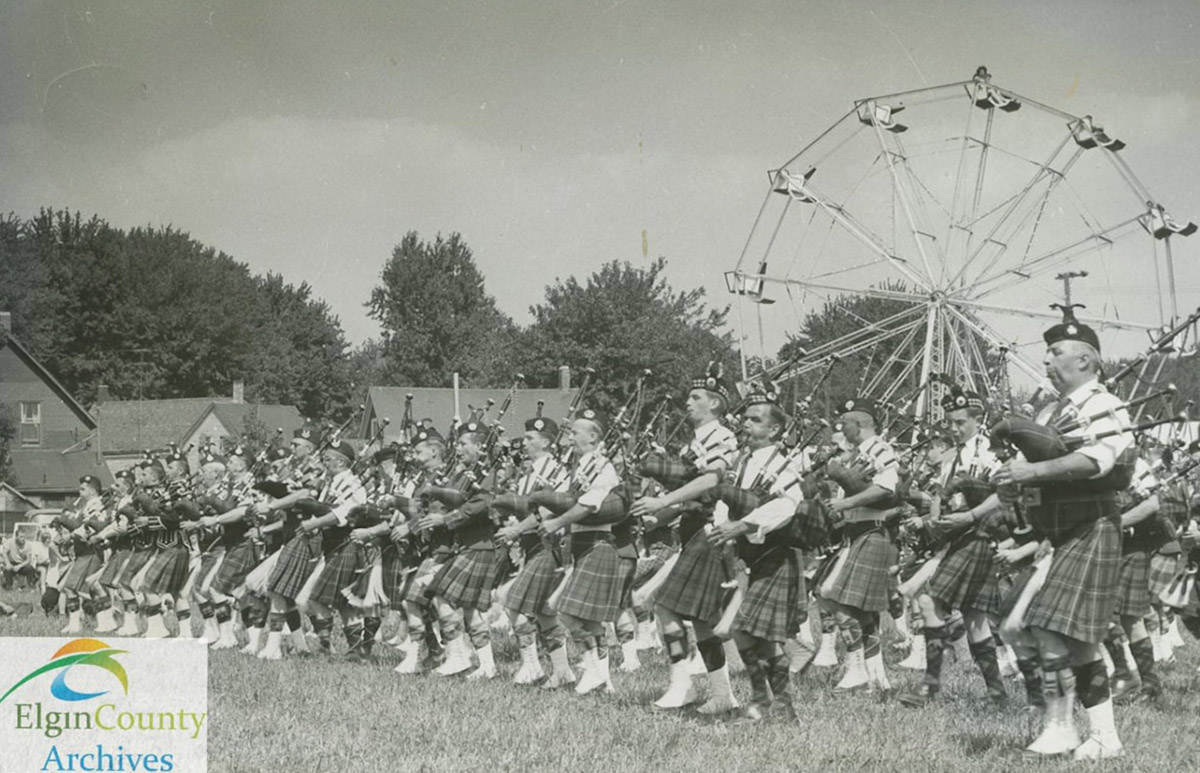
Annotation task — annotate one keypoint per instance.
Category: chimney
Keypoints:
(239, 391)
(564, 378)
(5, 323)
(102, 395)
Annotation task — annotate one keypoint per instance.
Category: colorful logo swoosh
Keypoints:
(85, 652)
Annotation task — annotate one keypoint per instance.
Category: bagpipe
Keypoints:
(563, 442)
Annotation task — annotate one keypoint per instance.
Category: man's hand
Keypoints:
(360, 535)
(1014, 471)
(508, 534)
(308, 525)
(262, 508)
(432, 521)
(729, 531)
(398, 533)
(647, 506)
(550, 526)
(1006, 559)
(948, 522)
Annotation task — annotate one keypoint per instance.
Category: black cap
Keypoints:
(762, 392)
(861, 404)
(712, 380)
(958, 398)
(595, 417)
(425, 434)
(545, 426)
(92, 481)
(1071, 329)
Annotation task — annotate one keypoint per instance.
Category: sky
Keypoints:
(306, 138)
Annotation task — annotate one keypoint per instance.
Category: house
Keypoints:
(129, 428)
(54, 444)
(439, 407)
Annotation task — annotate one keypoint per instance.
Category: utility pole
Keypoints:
(1066, 278)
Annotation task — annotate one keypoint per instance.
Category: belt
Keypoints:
(864, 515)
(576, 528)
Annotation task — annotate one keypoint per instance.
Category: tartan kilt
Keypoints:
(114, 567)
(1080, 593)
(296, 562)
(395, 574)
(593, 591)
(466, 580)
(966, 578)
(81, 568)
(418, 581)
(134, 565)
(1164, 568)
(693, 588)
(865, 581)
(239, 560)
(649, 565)
(341, 570)
(1133, 589)
(533, 586)
(774, 598)
(168, 571)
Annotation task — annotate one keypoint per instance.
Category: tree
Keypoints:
(152, 313)
(623, 320)
(297, 351)
(437, 318)
(8, 430)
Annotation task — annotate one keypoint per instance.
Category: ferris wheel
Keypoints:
(964, 206)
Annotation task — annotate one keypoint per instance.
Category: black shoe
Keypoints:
(1148, 695)
(1125, 689)
(919, 698)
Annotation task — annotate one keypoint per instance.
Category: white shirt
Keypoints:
(974, 459)
(1088, 400)
(594, 478)
(714, 446)
(767, 464)
(881, 461)
(344, 491)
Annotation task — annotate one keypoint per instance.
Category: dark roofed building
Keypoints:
(55, 435)
(438, 406)
(129, 428)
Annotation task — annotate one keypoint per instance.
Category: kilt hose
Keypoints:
(114, 567)
(396, 567)
(629, 567)
(466, 580)
(240, 558)
(593, 591)
(693, 588)
(75, 580)
(296, 562)
(1164, 568)
(342, 568)
(865, 581)
(138, 558)
(966, 578)
(168, 571)
(774, 598)
(1133, 585)
(534, 585)
(1080, 593)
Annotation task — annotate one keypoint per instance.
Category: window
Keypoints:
(31, 423)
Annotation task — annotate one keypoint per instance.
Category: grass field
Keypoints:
(326, 715)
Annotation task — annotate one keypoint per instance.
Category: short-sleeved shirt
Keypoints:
(974, 458)
(594, 478)
(1092, 399)
(714, 447)
(344, 491)
(881, 461)
(769, 466)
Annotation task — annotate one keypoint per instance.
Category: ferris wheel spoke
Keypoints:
(896, 355)
(1045, 172)
(1050, 260)
(995, 339)
(914, 232)
(871, 292)
(846, 346)
(1100, 322)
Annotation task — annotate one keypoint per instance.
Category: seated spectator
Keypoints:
(18, 563)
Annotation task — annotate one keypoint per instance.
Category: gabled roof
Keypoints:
(37, 470)
(233, 417)
(133, 426)
(438, 404)
(8, 339)
(129, 426)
